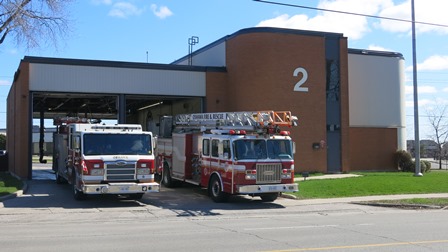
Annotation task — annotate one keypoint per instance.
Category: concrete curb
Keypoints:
(407, 206)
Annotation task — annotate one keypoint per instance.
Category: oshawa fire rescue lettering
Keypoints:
(229, 153)
(104, 159)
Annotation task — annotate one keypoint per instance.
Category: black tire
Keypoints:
(59, 178)
(215, 190)
(158, 177)
(269, 197)
(136, 196)
(77, 194)
(166, 177)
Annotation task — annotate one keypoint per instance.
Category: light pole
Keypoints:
(414, 74)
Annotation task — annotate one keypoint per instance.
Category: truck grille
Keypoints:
(120, 171)
(269, 173)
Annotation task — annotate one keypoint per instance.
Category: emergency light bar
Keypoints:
(117, 127)
(237, 132)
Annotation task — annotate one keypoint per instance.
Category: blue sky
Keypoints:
(158, 31)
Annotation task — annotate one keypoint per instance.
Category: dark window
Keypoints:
(215, 143)
(206, 147)
(226, 148)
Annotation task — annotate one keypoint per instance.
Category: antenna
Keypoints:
(191, 42)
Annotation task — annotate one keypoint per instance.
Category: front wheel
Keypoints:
(215, 191)
(166, 177)
(77, 194)
(136, 196)
(268, 197)
(59, 178)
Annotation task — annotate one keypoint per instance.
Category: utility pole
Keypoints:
(418, 172)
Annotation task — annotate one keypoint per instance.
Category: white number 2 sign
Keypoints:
(298, 87)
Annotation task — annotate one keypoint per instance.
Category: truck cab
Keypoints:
(105, 159)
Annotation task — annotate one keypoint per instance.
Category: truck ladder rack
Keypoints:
(247, 120)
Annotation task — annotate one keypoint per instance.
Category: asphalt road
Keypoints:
(47, 218)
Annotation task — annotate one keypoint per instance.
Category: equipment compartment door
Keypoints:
(180, 149)
(60, 153)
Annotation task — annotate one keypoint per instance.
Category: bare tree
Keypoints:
(30, 22)
(439, 123)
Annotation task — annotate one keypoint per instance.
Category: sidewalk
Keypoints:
(367, 199)
(327, 176)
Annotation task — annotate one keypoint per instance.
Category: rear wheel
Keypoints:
(269, 197)
(215, 190)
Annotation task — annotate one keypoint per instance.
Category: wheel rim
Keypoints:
(216, 188)
(75, 191)
(166, 179)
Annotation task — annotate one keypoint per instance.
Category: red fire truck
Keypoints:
(229, 153)
(104, 159)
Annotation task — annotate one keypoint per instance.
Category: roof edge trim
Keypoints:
(376, 53)
(118, 64)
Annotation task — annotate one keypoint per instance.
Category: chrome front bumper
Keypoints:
(280, 188)
(120, 188)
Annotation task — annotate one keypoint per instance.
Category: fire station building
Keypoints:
(350, 102)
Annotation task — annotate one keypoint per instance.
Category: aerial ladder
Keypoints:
(262, 122)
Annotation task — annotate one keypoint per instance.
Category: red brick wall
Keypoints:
(373, 148)
(217, 99)
(260, 70)
(18, 124)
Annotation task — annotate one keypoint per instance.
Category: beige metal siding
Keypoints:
(214, 56)
(377, 93)
(111, 80)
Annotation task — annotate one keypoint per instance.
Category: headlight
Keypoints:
(143, 171)
(97, 172)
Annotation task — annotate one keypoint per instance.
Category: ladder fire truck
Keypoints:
(103, 159)
(229, 153)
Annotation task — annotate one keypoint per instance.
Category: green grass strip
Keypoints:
(9, 184)
(374, 183)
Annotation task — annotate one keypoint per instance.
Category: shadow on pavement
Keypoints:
(190, 200)
(187, 200)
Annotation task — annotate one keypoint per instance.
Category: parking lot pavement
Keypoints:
(436, 165)
(43, 172)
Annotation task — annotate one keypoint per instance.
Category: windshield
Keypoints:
(250, 149)
(262, 149)
(113, 144)
(279, 149)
